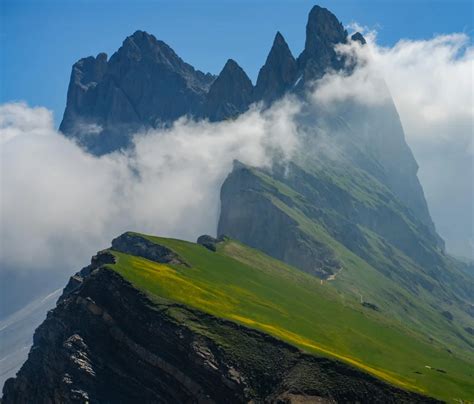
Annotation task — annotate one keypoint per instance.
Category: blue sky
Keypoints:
(40, 40)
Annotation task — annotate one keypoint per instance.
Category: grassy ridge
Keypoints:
(246, 286)
(375, 270)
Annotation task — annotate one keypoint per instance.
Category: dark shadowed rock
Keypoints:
(143, 85)
(358, 38)
(229, 95)
(323, 33)
(278, 73)
(208, 241)
(135, 244)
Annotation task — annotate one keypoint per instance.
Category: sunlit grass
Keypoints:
(246, 286)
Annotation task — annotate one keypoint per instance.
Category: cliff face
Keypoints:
(248, 215)
(107, 342)
(323, 32)
(229, 95)
(143, 85)
(278, 74)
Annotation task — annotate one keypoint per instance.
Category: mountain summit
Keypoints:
(323, 33)
(278, 73)
(229, 95)
(144, 84)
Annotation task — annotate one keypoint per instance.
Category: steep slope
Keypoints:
(168, 320)
(342, 225)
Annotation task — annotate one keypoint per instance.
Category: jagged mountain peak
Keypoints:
(230, 94)
(279, 43)
(358, 37)
(323, 32)
(279, 39)
(142, 46)
(89, 69)
(278, 73)
(232, 67)
(322, 24)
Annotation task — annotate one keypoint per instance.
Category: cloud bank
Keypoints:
(59, 204)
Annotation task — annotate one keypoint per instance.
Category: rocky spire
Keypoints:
(230, 94)
(323, 33)
(358, 38)
(278, 73)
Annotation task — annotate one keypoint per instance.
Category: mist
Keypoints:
(431, 84)
(61, 204)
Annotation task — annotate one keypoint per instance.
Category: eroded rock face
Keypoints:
(323, 32)
(107, 342)
(229, 95)
(143, 85)
(278, 74)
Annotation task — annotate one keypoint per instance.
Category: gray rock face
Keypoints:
(229, 95)
(278, 73)
(323, 33)
(144, 84)
(108, 343)
(359, 38)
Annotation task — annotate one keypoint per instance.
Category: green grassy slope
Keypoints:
(248, 287)
(386, 256)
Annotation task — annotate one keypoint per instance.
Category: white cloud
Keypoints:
(60, 204)
(431, 83)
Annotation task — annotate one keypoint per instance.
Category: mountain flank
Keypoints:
(110, 339)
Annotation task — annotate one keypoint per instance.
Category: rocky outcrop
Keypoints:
(278, 74)
(209, 242)
(107, 342)
(358, 37)
(136, 244)
(229, 95)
